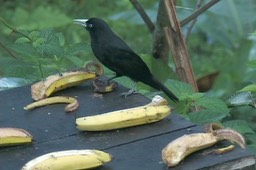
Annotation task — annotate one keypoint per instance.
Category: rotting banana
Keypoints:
(73, 103)
(54, 83)
(179, 148)
(70, 159)
(152, 112)
(14, 136)
(103, 87)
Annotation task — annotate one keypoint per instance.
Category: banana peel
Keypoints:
(155, 111)
(69, 159)
(103, 87)
(174, 152)
(41, 90)
(14, 136)
(57, 82)
(72, 103)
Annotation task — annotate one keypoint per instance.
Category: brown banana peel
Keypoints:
(174, 152)
(103, 87)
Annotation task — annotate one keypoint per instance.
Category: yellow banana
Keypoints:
(73, 103)
(152, 112)
(54, 83)
(178, 149)
(70, 159)
(14, 136)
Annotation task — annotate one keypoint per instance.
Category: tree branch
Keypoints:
(7, 50)
(143, 15)
(160, 47)
(13, 29)
(198, 5)
(178, 47)
(198, 12)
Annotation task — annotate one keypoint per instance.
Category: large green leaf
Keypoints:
(206, 116)
(181, 89)
(239, 125)
(213, 104)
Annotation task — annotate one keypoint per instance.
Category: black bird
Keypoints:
(116, 55)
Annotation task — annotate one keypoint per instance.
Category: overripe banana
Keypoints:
(73, 103)
(70, 159)
(14, 136)
(103, 87)
(54, 83)
(181, 147)
(152, 112)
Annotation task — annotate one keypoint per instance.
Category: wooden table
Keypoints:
(136, 148)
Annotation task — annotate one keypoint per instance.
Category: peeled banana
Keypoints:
(70, 159)
(181, 147)
(14, 136)
(152, 112)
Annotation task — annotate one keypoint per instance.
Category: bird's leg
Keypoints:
(131, 91)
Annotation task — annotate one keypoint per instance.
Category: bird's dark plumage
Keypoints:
(116, 55)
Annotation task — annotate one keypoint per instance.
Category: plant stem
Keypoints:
(198, 5)
(8, 51)
(143, 15)
(198, 12)
(14, 29)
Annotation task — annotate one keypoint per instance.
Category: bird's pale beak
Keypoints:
(81, 22)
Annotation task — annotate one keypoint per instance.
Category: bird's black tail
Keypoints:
(159, 86)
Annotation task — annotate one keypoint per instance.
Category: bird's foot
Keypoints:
(130, 92)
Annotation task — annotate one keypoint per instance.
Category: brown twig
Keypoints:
(7, 50)
(178, 47)
(198, 5)
(160, 48)
(13, 29)
(143, 15)
(198, 12)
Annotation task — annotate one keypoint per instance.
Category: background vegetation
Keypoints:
(38, 38)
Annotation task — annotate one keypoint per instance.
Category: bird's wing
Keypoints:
(126, 62)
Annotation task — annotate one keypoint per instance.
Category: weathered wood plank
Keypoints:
(146, 154)
(133, 148)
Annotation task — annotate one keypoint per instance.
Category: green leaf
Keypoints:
(196, 96)
(51, 49)
(181, 89)
(24, 49)
(249, 88)
(239, 125)
(76, 61)
(241, 99)
(39, 17)
(22, 40)
(206, 116)
(74, 49)
(34, 35)
(61, 39)
(252, 63)
(213, 104)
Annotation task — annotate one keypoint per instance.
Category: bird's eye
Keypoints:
(89, 25)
